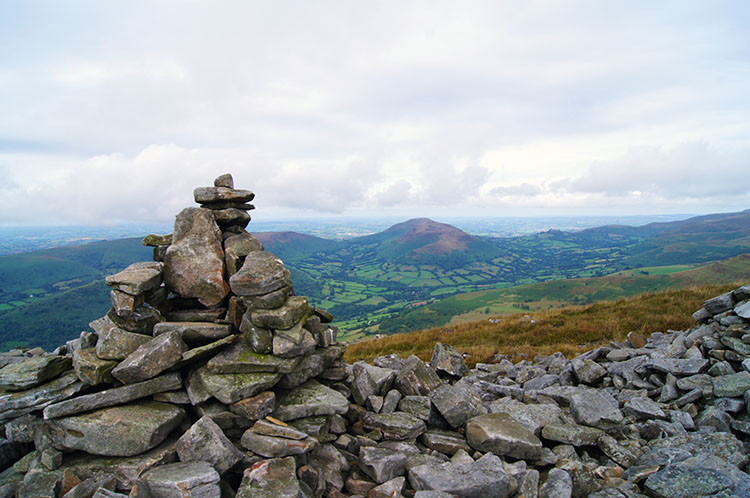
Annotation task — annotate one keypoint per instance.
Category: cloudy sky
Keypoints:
(114, 111)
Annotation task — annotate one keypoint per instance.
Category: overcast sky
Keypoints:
(114, 111)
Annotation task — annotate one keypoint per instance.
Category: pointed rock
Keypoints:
(151, 358)
(194, 263)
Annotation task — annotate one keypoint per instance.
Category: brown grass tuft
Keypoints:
(571, 330)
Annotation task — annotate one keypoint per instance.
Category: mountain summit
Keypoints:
(423, 238)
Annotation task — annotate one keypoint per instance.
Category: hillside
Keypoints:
(570, 330)
(554, 294)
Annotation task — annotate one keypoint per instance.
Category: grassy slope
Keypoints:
(571, 331)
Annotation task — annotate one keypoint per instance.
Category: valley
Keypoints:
(416, 274)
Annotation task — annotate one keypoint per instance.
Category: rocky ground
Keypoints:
(209, 377)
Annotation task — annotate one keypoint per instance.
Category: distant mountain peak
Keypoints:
(430, 237)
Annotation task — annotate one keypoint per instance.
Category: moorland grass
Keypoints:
(571, 330)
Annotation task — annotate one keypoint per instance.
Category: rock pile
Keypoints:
(209, 377)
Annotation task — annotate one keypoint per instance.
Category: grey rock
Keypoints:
(273, 478)
(230, 388)
(731, 385)
(32, 372)
(261, 273)
(678, 367)
(241, 358)
(180, 480)
(14, 405)
(288, 348)
(255, 407)
(381, 464)
(205, 441)
(502, 435)
(242, 244)
(576, 435)
(219, 193)
(558, 485)
(137, 278)
(91, 369)
(446, 442)
(114, 396)
(700, 475)
(275, 447)
(531, 416)
(743, 310)
(194, 263)
(117, 431)
(311, 399)
(193, 332)
(116, 344)
(595, 407)
(125, 303)
(391, 401)
(370, 380)
(89, 487)
(643, 408)
(457, 404)
(399, 426)
(151, 358)
(416, 378)
(588, 372)
(389, 489)
(449, 360)
(283, 317)
(141, 320)
(485, 478)
(719, 304)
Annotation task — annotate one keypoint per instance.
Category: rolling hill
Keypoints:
(381, 282)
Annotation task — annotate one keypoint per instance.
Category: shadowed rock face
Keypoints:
(194, 263)
(253, 395)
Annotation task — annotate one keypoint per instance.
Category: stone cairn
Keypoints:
(209, 377)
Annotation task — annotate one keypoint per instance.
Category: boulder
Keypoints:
(457, 404)
(274, 478)
(205, 441)
(195, 479)
(415, 378)
(484, 478)
(261, 273)
(194, 263)
(502, 435)
(117, 431)
(448, 360)
(151, 358)
(381, 464)
(310, 399)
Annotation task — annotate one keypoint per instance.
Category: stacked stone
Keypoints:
(170, 392)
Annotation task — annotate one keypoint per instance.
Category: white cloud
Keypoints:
(335, 106)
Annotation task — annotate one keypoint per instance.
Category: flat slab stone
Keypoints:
(151, 358)
(262, 272)
(114, 396)
(117, 431)
(194, 263)
(484, 478)
(272, 478)
(33, 371)
(575, 435)
(192, 332)
(240, 358)
(399, 426)
(310, 399)
(677, 366)
(284, 317)
(502, 435)
(230, 388)
(116, 344)
(17, 404)
(594, 407)
(208, 195)
(274, 446)
(531, 416)
(743, 310)
(180, 480)
(137, 278)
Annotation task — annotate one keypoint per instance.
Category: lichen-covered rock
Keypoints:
(91, 369)
(151, 358)
(33, 371)
(274, 478)
(194, 263)
(449, 360)
(261, 273)
(137, 278)
(117, 431)
(485, 478)
(457, 404)
(399, 426)
(416, 378)
(205, 441)
(116, 344)
(311, 399)
(502, 435)
(230, 388)
(194, 479)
